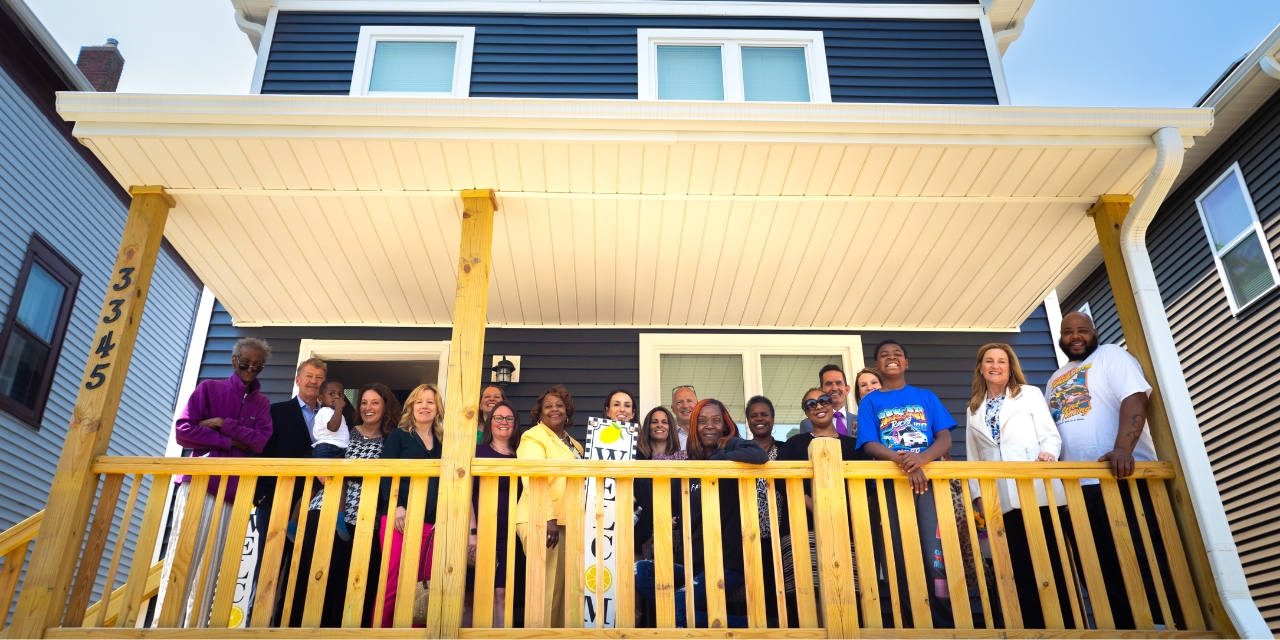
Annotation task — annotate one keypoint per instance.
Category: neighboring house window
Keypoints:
(34, 326)
(413, 61)
(733, 66)
(1239, 244)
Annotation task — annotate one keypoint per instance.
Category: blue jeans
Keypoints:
(645, 586)
(329, 451)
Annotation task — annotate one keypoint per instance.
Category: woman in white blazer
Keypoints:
(1009, 421)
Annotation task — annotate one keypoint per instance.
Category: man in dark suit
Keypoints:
(290, 438)
(831, 379)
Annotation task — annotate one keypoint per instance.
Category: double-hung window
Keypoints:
(1239, 244)
(34, 326)
(413, 61)
(733, 66)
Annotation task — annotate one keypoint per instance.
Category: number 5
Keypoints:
(95, 377)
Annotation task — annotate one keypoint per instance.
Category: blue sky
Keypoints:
(1156, 53)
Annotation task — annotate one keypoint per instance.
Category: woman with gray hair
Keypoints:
(227, 418)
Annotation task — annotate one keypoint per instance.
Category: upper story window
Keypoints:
(1239, 244)
(733, 66)
(34, 326)
(413, 61)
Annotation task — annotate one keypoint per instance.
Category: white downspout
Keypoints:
(1224, 560)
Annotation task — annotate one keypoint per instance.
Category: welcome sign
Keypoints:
(606, 440)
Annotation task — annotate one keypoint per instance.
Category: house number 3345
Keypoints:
(107, 343)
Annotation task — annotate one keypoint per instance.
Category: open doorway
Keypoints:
(401, 375)
(399, 364)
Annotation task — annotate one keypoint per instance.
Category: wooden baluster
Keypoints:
(486, 553)
(951, 554)
(864, 556)
(286, 615)
(199, 612)
(890, 563)
(912, 561)
(9, 575)
(536, 553)
(232, 553)
(1040, 561)
(1140, 514)
(712, 563)
(831, 532)
(976, 550)
(998, 541)
(1127, 556)
(122, 536)
(663, 564)
(1178, 569)
(1064, 555)
(388, 531)
(574, 554)
(91, 559)
(752, 563)
(322, 553)
(410, 551)
(598, 554)
(624, 550)
(264, 603)
(1098, 601)
(362, 546)
(175, 599)
(508, 613)
(801, 562)
(135, 586)
(775, 538)
(687, 533)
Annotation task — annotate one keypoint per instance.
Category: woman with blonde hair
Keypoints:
(418, 437)
(1009, 421)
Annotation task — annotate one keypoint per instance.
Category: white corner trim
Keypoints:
(731, 42)
(264, 52)
(749, 346)
(378, 350)
(994, 61)
(191, 366)
(371, 35)
(651, 7)
(1053, 310)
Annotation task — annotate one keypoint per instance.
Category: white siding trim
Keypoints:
(1256, 230)
(731, 42)
(264, 52)
(370, 36)
(653, 7)
(191, 370)
(994, 61)
(1053, 310)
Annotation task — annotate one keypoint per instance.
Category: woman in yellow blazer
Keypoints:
(549, 440)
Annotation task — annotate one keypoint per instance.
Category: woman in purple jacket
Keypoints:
(223, 419)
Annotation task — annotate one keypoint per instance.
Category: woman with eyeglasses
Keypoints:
(500, 437)
(819, 409)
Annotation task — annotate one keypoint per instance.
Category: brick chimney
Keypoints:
(102, 65)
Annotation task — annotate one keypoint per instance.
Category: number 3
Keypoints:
(126, 279)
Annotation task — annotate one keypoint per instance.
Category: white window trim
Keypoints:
(748, 345)
(731, 42)
(379, 350)
(1256, 229)
(370, 36)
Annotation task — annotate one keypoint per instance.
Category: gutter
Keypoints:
(1224, 559)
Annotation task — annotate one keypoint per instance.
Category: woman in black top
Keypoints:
(417, 438)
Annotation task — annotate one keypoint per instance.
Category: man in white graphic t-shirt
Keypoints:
(1099, 402)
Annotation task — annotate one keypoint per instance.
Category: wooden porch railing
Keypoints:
(843, 496)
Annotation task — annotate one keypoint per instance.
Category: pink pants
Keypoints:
(393, 566)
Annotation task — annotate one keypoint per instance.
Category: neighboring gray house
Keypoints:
(62, 216)
(1214, 245)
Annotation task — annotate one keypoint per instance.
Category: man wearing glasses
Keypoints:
(683, 400)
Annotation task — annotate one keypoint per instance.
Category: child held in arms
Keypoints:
(910, 427)
(329, 431)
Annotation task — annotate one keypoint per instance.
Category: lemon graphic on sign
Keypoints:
(237, 618)
(610, 434)
(590, 579)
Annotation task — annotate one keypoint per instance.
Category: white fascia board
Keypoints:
(92, 111)
(1246, 71)
(651, 7)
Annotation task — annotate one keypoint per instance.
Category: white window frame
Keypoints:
(371, 36)
(731, 43)
(379, 350)
(1256, 229)
(748, 345)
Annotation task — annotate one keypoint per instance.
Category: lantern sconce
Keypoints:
(506, 370)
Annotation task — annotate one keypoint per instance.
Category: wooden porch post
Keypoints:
(466, 362)
(66, 516)
(1108, 215)
(831, 529)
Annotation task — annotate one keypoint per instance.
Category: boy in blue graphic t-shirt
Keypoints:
(909, 426)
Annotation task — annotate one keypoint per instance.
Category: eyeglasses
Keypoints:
(683, 386)
(504, 419)
(812, 403)
(245, 365)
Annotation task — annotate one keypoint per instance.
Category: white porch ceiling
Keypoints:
(305, 210)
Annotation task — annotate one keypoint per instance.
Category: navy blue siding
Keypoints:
(593, 362)
(594, 56)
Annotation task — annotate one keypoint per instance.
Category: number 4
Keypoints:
(105, 345)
